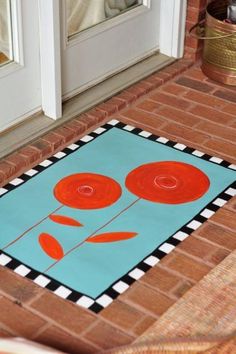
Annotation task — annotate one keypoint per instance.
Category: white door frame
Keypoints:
(172, 33)
(50, 56)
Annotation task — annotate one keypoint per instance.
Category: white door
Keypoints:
(101, 37)
(20, 81)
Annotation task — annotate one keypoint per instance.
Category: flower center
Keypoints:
(86, 190)
(166, 182)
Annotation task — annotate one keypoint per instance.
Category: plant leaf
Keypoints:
(64, 220)
(51, 246)
(112, 237)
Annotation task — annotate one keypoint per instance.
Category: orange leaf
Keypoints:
(112, 237)
(51, 246)
(65, 220)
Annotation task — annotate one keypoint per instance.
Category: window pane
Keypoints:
(83, 14)
(5, 32)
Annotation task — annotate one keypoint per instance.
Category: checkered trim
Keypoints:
(122, 284)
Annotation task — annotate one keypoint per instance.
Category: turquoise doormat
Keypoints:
(89, 221)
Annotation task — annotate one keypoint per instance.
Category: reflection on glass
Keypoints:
(5, 32)
(82, 14)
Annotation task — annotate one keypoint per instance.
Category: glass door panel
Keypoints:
(5, 32)
(83, 14)
(102, 37)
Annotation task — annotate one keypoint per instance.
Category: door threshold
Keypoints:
(38, 124)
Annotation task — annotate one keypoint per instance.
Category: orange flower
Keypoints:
(87, 191)
(168, 182)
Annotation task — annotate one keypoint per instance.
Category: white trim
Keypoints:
(17, 31)
(172, 31)
(16, 38)
(50, 55)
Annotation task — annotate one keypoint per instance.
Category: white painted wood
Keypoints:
(50, 55)
(172, 27)
(38, 124)
(20, 91)
(99, 52)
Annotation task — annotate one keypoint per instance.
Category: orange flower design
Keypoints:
(87, 191)
(168, 182)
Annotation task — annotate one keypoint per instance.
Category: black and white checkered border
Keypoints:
(121, 285)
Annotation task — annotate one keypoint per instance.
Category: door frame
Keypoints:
(172, 34)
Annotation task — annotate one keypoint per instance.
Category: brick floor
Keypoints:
(181, 103)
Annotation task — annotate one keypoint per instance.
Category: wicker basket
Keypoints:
(219, 53)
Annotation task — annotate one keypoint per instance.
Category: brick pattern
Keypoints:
(183, 106)
(195, 13)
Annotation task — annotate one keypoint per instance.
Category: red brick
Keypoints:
(55, 140)
(164, 76)
(98, 116)
(230, 108)
(205, 99)
(30, 154)
(76, 126)
(226, 218)
(194, 84)
(156, 81)
(148, 106)
(197, 4)
(212, 115)
(186, 266)
(160, 279)
(170, 100)
(182, 288)
(87, 120)
(192, 14)
(43, 146)
(63, 312)
(107, 337)
(191, 42)
(221, 86)
(60, 340)
(221, 147)
(185, 133)
(146, 298)
(218, 256)
(145, 86)
(148, 119)
(226, 95)
(135, 91)
(197, 248)
(179, 116)
(152, 85)
(127, 97)
(119, 104)
(142, 326)
(2, 179)
(231, 204)
(21, 289)
(107, 108)
(17, 160)
(19, 320)
(227, 133)
(233, 125)
(7, 169)
(196, 73)
(174, 89)
(123, 315)
(4, 334)
(66, 133)
(217, 235)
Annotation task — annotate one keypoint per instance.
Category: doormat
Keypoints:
(89, 221)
